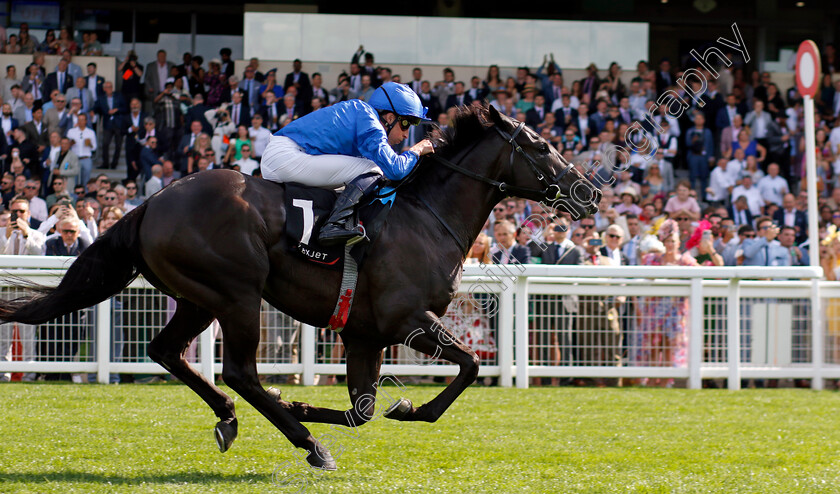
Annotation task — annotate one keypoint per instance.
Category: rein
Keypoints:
(507, 189)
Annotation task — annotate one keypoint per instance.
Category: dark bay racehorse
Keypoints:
(215, 242)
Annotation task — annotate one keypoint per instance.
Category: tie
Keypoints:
(236, 114)
(60, 82)
(766, 255)
(82, 97)
(18, 246)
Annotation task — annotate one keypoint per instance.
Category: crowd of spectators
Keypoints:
(723, 187)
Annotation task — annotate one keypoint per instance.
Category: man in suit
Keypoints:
(59, 79)
(554, 91)
(84, 95)
(250, 88)
(739, 211)
(74, 70)
(612, 246)
(94, 82)
(36, 130)
(149, 156)
(54, 115)
(589, 84)
(789, 216)
(187, 143)
(270, 112)
(508, 251)
(239, 112)
(477, 91)
(23, 113)
(132, 127)
(664, 78)
(300, 80)
(536, 115)
(156, 74)
(726, 115)
(34, 83)
(564, 114)
(196, 113)
(110, 107)
(8, 123)
(759, 122)
(458, 98)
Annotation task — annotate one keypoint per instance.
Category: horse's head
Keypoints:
(535, 170)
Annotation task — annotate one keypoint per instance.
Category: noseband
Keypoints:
(514, 190)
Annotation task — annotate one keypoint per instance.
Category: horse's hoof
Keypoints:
(274, 393)
(399, 410)
(321, 458)
(225, 434)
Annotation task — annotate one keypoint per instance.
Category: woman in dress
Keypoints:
(662, 340)
(654, 178)
(750, 146)
(493, 81)
(234, 151)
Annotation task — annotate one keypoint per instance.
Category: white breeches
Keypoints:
(285, 161)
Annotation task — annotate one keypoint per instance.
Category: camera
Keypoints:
(597, 242)
(64, 202)
(222, 114)
(559, 229)
(13, 219)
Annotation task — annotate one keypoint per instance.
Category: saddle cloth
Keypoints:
(307, 209)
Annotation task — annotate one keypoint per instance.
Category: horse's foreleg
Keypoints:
(242, 337)
(363, 365)
(428, 335)
(169, 348)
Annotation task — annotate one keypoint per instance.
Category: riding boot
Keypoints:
(340, 227)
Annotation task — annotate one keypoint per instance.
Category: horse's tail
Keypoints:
(105, 268)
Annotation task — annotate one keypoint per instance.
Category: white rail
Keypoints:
(516, 288)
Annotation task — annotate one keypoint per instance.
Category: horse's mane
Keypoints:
(465, 129)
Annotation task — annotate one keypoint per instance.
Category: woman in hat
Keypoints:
(348, 144)
(629, 202)
(214, 81)
(527, 101)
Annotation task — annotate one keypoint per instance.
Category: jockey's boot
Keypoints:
(340, 227)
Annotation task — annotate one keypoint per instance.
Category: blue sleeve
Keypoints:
(752, 246)
(373, 145)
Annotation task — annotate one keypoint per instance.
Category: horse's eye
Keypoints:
(544, 148)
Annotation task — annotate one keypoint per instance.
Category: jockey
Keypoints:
(348, 144)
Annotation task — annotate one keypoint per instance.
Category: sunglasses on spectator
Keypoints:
(767, 227)
(588, 226)
(613, 235)
(499, 209)
(19, 211)
(31, 187)
(69, 231)
(683, 219)
(131, 187)
(749, 235)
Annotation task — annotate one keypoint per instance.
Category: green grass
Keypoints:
(157, 438)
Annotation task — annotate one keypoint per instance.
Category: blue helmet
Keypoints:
(400, 99)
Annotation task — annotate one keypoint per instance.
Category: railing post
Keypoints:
(307, 350)
(733, 334)
(817, 335)
(208, 352)
(103, 341)
(521, 329)
(505, 333)
(695, 335)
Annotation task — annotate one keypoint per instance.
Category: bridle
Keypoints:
(514, 190)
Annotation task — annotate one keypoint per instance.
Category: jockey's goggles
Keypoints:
(407, 122)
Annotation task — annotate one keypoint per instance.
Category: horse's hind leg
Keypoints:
(426, 334)
(241, 330)
(363, 365)
(169, 349)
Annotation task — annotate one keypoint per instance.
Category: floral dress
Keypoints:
(660, 318)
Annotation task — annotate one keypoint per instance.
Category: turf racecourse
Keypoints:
(157, 438)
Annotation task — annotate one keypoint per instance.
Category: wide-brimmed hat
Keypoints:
(529, 87)
(502, 90)
(215, 61)
(631, 191)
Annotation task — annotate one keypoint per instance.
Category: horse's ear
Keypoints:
(496, 117)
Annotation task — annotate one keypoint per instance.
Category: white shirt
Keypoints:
(720, 182)
(92, 86)
(734, 168)
(163, 74)
(78, 137)
(772, 189)
(38, 208)
(754, 200)
(260, 138)
(247, 165)
(789, 217)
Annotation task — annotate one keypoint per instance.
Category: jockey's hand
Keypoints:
(423, 147)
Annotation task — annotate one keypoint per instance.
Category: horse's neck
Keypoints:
(464, 203)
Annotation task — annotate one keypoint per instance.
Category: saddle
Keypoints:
(307, 209)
